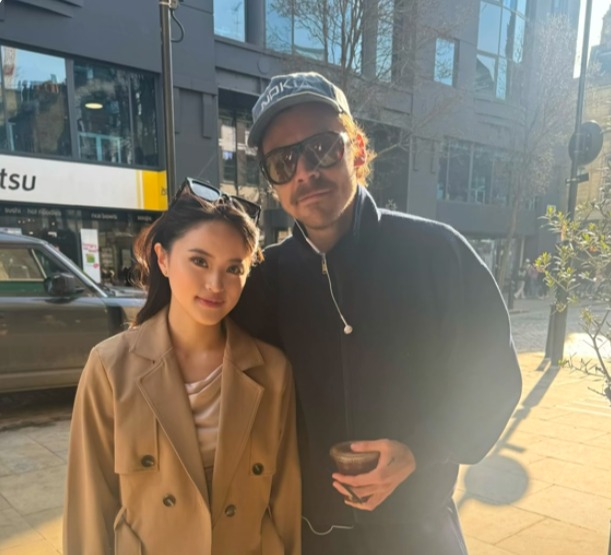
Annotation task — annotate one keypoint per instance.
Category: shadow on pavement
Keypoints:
(498, 479)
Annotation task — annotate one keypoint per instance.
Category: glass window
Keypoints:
(445, 61)
(489, 28)
(313, 30)
(459, 170)
(442, 178)
(35, 103)
(481, 179)
(305, 41)
(384, 54)
(501, 179)
(485, 77)
(495, 65)
(518, 41)
(144, 120)
(228, 148)
(239, 166)
(502, 79)
(473, 173)
(278, 25)
(507, 27)
(229, 20)
(116, 116)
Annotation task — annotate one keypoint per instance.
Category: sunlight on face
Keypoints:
(207, 270)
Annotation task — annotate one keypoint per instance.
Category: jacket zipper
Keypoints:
(345, 376)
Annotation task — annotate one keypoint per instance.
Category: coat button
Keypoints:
(230, 510)
(257, 469)
(147, 461)
(169, 500)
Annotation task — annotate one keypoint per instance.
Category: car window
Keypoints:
(23, 271)
(20, 274)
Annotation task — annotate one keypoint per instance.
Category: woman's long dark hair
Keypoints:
(185, 213)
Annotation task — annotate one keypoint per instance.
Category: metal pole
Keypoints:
(558, 319)
(165, 9)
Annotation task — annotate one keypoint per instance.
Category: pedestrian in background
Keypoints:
(396, 330)
(183, 434)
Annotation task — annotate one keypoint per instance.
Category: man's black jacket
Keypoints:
(430, 361)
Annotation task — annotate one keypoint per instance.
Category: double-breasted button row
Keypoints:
(169, 500)
(230, 510)
(257, 469)
(147, 461)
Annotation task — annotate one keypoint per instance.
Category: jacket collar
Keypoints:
(366, 218)
(153, 342)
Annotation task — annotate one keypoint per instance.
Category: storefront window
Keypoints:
(116, 117)
(34, 103)
(60, 226)
(144, 120)
(229, 19)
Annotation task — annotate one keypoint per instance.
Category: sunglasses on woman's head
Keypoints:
(211, 194)
(319, 151)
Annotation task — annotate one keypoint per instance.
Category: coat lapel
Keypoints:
(240, 397)
(164, 391)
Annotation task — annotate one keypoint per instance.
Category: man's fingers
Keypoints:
(374, 445)
(370, 504)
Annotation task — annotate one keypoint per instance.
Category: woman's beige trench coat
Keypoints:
(136, 483)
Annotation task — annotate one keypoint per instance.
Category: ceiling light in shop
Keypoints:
(94, 106)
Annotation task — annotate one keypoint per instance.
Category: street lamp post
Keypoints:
(166, 8)
(557, 324)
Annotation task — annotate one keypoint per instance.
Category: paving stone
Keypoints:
(574, 452)
(491, 524)
(15, 530)
(588, 479)
(570, 506)
(35, 491)
(49, 525)
(28, 456)
(477, 547)
(556, 429)
(551, 537)
(32, 548)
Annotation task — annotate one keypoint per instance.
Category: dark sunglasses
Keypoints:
(207, 192)
(319, 151)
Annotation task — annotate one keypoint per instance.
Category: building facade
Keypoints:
(81, 128)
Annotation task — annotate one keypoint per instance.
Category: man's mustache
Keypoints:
(307, 189)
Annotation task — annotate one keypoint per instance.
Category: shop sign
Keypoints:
(90, 248)
(76, 184)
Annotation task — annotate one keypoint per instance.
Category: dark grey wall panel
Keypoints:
(196, 155)
(125, 33)
(193, 58)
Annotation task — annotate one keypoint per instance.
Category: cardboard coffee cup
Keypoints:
(351, 463)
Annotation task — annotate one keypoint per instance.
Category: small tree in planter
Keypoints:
(580, 267)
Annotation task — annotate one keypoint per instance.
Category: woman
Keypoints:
(183, 434)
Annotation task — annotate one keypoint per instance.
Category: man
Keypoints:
(396, 330)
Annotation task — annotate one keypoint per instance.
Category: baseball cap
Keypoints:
(289, 90)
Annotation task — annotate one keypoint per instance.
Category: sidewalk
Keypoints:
(545, 489)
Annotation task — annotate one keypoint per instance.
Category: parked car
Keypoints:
(51, 315)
